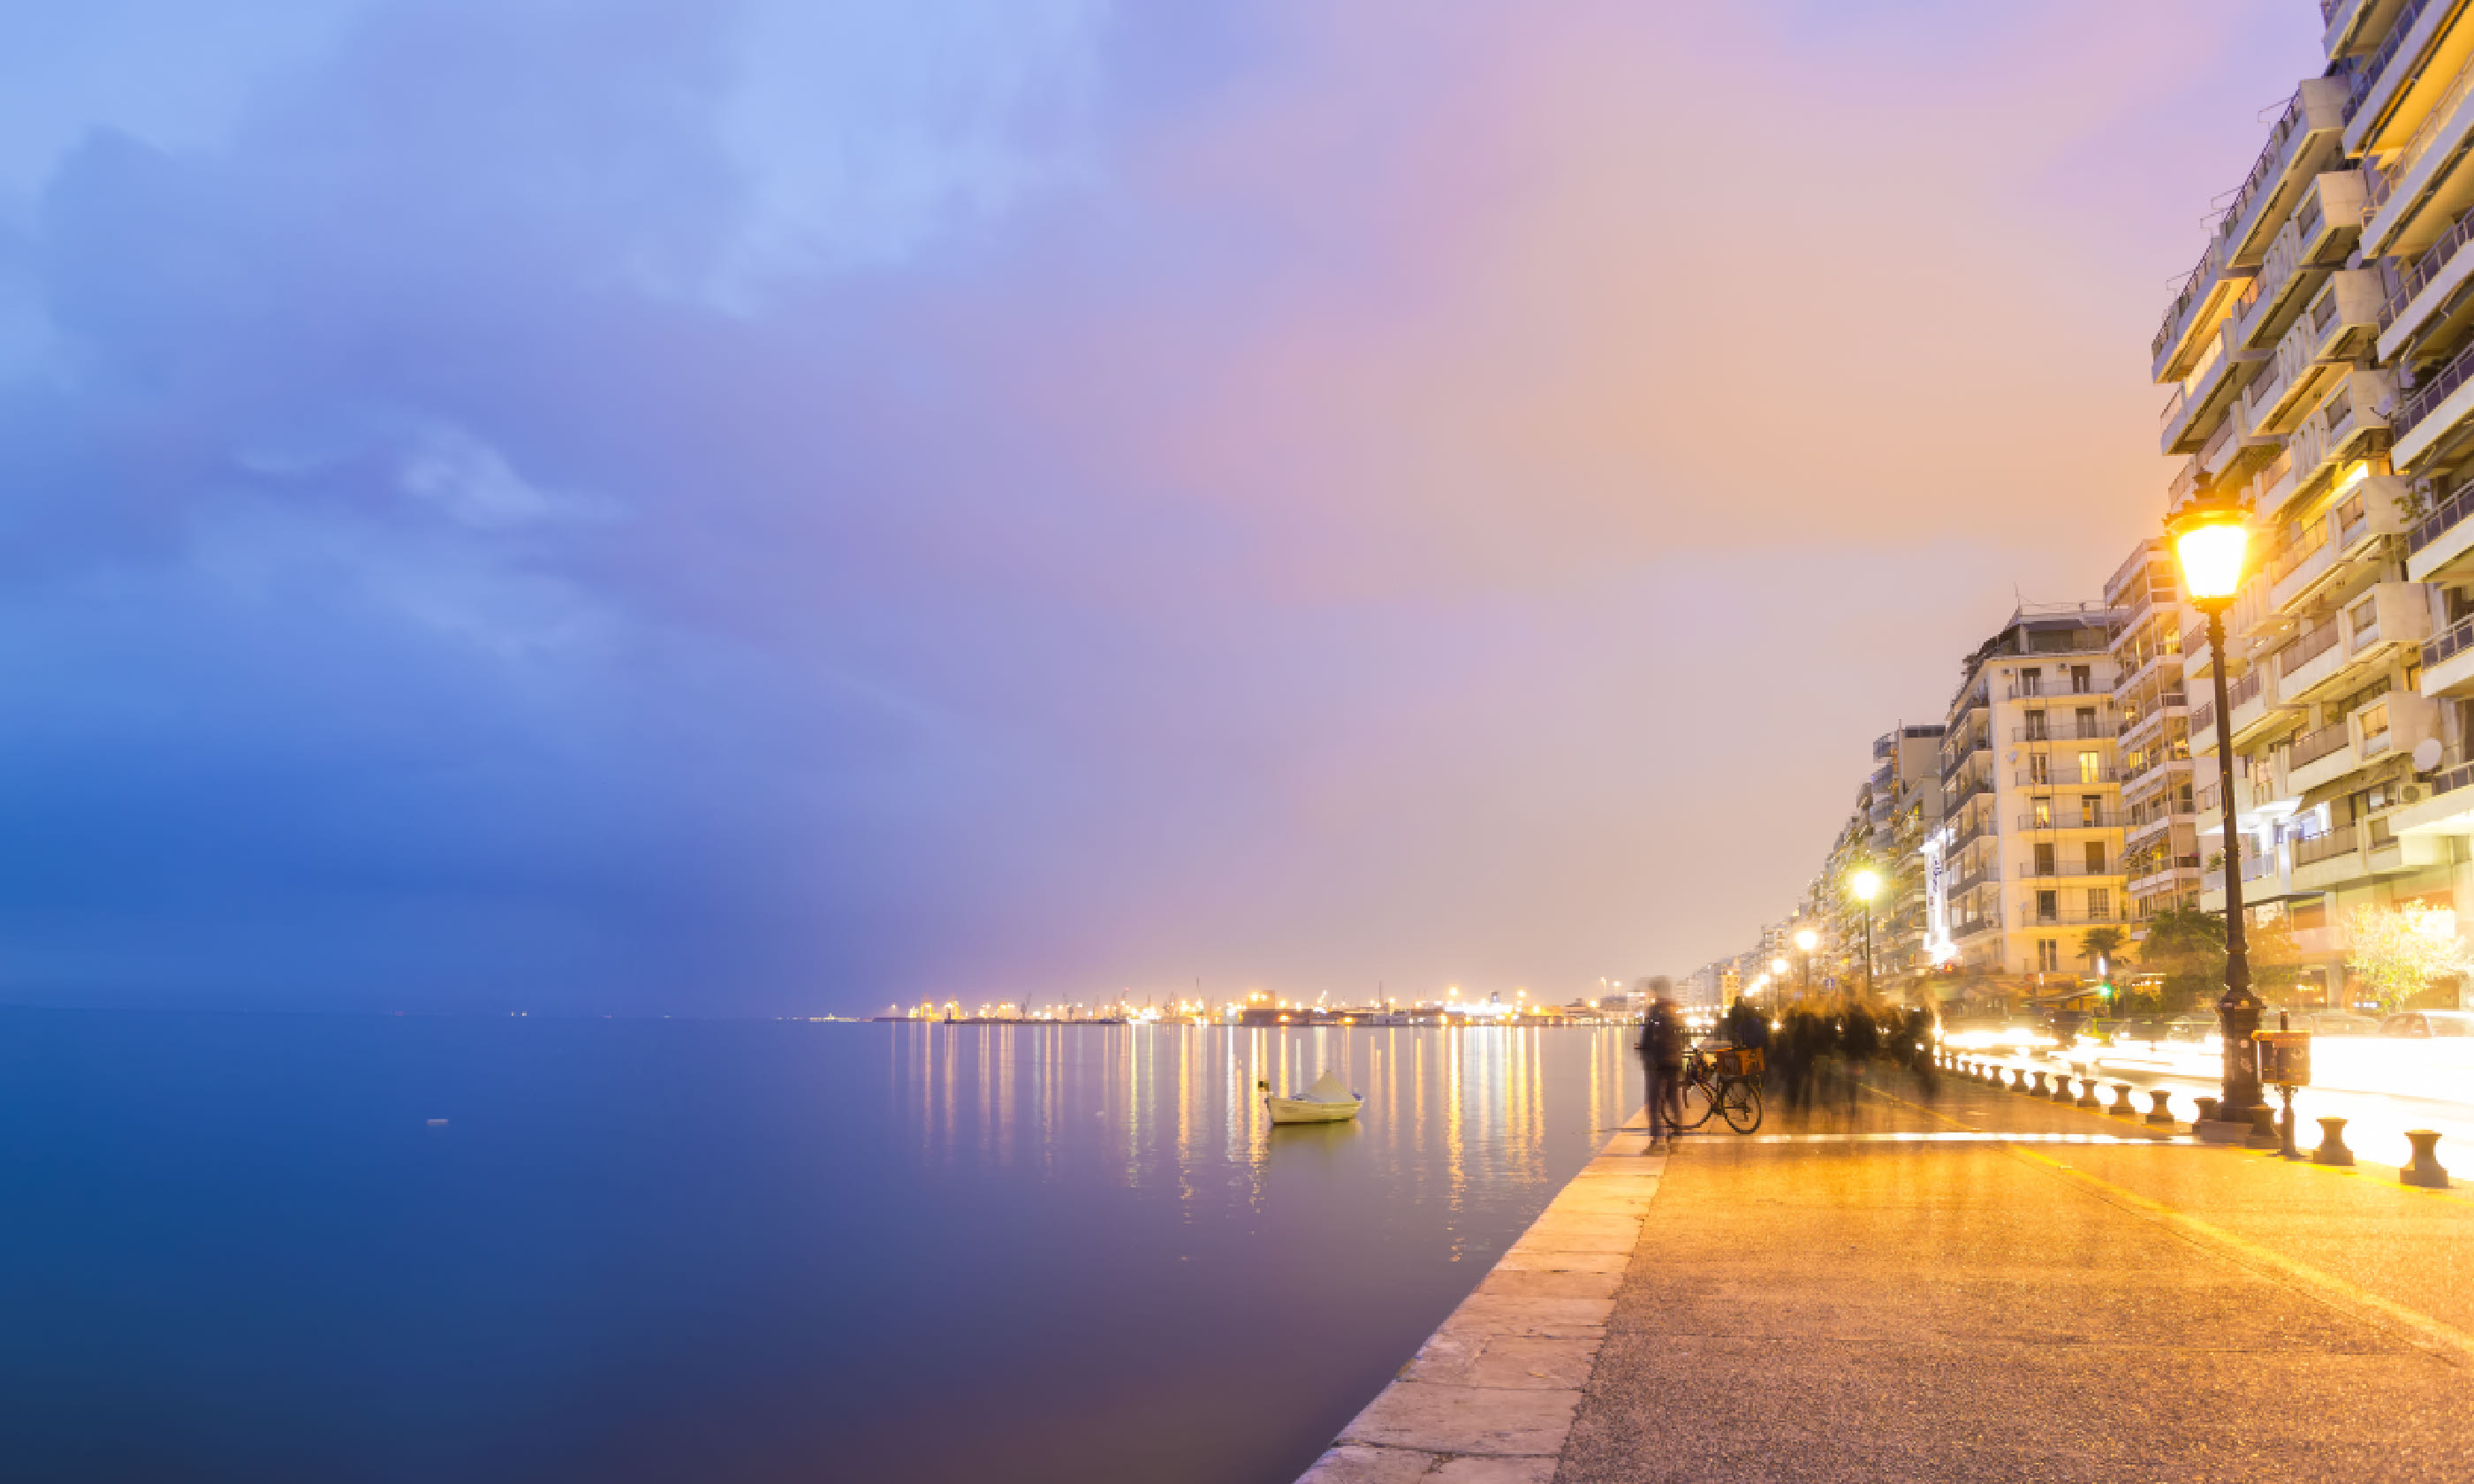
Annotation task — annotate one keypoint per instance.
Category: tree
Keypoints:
(2100, 945)
(2188, 948)
(2400, 951)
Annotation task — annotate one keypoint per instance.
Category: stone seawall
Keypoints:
(1489, 1397)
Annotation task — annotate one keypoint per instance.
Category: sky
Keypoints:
(750, 507)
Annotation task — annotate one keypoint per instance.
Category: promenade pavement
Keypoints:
(1983, 1286)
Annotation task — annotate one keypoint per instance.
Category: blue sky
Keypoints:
(775, 508)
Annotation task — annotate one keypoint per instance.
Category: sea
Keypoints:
(334, 1248)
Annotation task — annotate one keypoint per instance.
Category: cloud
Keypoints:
(666, 505)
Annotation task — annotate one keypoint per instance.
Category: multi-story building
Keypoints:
(2160, 841)
(2028, 856)
(2322, 359)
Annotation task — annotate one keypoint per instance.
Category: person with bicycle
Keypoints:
(1662, 1062)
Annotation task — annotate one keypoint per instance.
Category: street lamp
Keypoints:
(2209, 544)
(1778, 977)
(1866, 884)
(1807, 940)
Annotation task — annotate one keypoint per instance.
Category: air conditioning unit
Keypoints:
(2411, 793)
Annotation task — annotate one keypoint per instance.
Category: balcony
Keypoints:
(2326, 862)
(2309, 658)
(2068, 870)
(2060, 918)
(1961, 928)
(2303, 137)
(2448, 661)
(2384, 106)
(2295, 568)
(2195, 421)
(2344, 21)
(1965, 790)
(2440, 546)
(2069, 819)
(2066, 777)
(2424, 182)
(2321, 756)
(2436, 407)
(2170, 875)
(2064, 731)
(2192, 319)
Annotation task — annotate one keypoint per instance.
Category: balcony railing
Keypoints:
(2314, 643)
(2027, 777)
(2312, 746)
(2063, 731)
(1967, 788)
(2425, 268)
(2069, 867)
(2429, 529)
(2417, 404)
(2264, 169)
(2060, 918)
(2370, 72)
(2073, 819)
(2340, 841)
(2451, 641)
(1969, 928)
(2294, 553)
(2410, 153)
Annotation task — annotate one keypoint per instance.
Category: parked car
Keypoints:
(2428, 1024)
(2335, 1022)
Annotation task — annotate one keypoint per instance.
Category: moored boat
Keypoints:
(1329, 1101)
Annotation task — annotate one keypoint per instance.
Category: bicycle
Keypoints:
(1728, 1084)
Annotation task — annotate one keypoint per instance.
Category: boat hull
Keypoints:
(1293, 1110)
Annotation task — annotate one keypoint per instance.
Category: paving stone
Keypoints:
(1466, 1419)
(1523, 1259)
(1560, 1240)
(1520, 1283)
(1518, 1362)
(1494, 1471)
(1357, 1464)
(1488, 1314)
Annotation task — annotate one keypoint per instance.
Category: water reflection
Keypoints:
(1453, 1110)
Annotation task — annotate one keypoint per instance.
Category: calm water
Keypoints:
(233, 1248)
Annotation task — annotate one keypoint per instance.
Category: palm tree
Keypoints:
(2101, 942)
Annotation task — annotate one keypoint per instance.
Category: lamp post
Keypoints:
(1866, 884)
(1807, 940)
(1778, 978)
(2209, 540)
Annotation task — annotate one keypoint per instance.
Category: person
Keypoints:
(1662, 1063)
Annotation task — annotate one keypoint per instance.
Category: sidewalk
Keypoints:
(1890, 1290)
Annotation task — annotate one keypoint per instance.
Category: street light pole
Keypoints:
(2209, 542)
(2238, 1008)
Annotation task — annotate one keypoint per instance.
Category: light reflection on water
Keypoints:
(648, 1251)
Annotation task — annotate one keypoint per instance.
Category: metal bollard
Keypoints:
(2062, 1088)
(2040, 1085)
(2207, 1110)
(2087, 1094)
(2122, 1102)
(2161, 1107)
(2332, 1148)
(2425, 1170)
(2263, 1129)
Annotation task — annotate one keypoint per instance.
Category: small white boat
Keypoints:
(1327, 1101)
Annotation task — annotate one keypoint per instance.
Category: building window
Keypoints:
(2087, 721)
(2100, 903)
(2091, 767)
(2091, 811)
(2035, 725)
(2042, 812)
(2095, 858)
(2049, 906)
(2082, 680)
(2045, 858)
(2049, 955)
(2031, 682)
(2039, 769)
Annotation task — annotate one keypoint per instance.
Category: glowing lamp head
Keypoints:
(1778, 965)
(2210, 543)
(1865, 883)
(1807, 940)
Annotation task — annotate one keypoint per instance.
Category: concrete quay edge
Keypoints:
(1491, 1396)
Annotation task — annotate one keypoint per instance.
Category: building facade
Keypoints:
(2028, 855)
(2160, 841)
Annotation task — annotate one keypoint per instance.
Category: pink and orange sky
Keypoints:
(773, 508)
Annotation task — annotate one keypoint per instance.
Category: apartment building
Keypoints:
(2323, 360)
(2160, 841)
(2028, 855)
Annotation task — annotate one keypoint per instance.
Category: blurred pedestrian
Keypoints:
(1662, 1063)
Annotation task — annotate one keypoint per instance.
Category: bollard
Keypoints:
(2040, 1085)
(2122, 1102)
(2062, 1088)
(2087, 1094)
(2425, 1170)
(2160, 1109)
(2207, 1110)
(2263, 1129)
(2332, 1148)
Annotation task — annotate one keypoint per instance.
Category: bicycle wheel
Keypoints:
(1699, 1100)
(1741, 1100)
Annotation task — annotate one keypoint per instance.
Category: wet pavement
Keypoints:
(1980, 1285)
